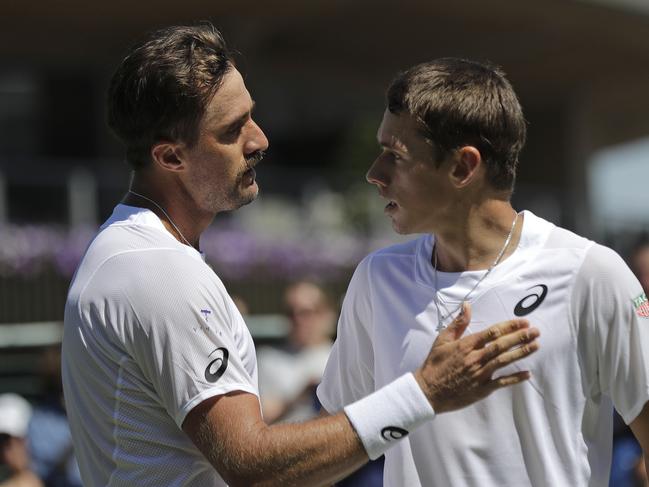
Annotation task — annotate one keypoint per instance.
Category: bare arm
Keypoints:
(640, 428)
(230, 431)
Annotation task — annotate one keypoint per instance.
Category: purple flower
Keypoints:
(233, 252)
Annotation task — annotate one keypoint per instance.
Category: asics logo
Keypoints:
(216, 368)
(532, 301)
(390, 433)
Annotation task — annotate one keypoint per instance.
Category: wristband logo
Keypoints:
(390, 433)
(216, 368)
(532, 301)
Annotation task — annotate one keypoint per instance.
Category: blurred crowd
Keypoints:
(36, 447)
(35, 442)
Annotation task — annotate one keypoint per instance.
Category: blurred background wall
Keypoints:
(318, 71)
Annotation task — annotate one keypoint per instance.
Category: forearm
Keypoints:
(318, 452)
(640, 428)
(230, 431)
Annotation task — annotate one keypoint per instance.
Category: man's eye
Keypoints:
(391, 155)
(236, 130)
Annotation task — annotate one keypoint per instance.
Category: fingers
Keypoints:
(458, 326)
(509, 380)
(479, 340)
(504, 343)
(512, 355)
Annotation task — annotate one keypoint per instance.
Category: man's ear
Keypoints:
(168, 156)
(467, 163)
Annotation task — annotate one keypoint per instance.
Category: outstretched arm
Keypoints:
(230, 431)
(640, 428)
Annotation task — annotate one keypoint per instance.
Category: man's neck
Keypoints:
(172, 204)
(474, 241)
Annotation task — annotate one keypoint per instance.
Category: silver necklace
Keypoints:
(442, 319)
(165, 214)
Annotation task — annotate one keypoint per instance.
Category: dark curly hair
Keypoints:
(459, 102)
(162, 87)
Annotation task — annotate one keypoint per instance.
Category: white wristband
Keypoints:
(389, 414)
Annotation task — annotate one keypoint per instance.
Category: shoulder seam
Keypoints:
(571, 303)
(112, 256)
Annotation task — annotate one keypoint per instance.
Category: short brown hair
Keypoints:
(460, 102)
(162, 87)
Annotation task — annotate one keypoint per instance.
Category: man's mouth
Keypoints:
(391, 206)
(249, 176)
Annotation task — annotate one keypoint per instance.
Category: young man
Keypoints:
(450, 140)
(159, 370)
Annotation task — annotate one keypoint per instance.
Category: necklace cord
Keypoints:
(441, 319)
(165, 214)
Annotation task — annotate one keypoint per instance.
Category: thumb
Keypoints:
(458, 326)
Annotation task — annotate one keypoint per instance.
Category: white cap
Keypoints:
(14, 415)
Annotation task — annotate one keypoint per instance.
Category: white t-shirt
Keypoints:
(150, 333)
(555, 429)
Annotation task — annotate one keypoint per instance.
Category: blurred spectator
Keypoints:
(627, 459)
(50, 442)
(14, 454)
(288, 374)
(640, 473)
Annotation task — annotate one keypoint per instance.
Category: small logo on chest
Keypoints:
(641, 305)
(200, 325)
(532, 301)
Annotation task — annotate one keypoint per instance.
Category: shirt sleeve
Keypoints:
(610, 310)
(349, 374)
(185, 336)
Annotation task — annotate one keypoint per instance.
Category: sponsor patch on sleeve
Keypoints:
(641, 306)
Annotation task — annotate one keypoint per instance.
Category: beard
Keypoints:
(240, 194)
(239, 191)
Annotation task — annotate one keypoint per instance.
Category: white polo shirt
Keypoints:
(150, 333)
(553, 430)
